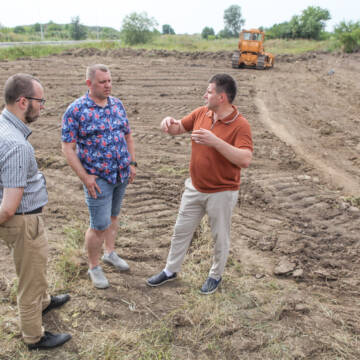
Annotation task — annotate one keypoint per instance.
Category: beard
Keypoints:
(30, 115)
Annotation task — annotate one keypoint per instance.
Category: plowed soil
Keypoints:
(298, 217)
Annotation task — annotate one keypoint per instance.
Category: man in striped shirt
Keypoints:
(23, 195)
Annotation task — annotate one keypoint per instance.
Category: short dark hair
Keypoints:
(225, 83)
(19, 85)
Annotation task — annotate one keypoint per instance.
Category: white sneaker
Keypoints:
(115, 260)
(98, 278)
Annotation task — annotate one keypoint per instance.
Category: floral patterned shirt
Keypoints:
(99, 134)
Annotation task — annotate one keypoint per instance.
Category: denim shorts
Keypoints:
(107, 204)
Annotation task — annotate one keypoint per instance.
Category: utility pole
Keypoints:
(42, 31)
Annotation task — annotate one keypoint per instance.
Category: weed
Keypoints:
(14, 290)
(175, 171)
(353, 200)
(74, 236)
(69, 263)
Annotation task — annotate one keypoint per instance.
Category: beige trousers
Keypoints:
(194, 205)
(25, 236)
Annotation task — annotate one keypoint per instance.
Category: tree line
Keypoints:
(50, 31)
(139, 28)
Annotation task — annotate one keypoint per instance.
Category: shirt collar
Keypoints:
(229, 119)
(16, 122)
(90, 102)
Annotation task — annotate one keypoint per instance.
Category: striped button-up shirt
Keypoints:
(18, 167)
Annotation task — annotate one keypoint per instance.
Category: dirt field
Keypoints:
(291, 288)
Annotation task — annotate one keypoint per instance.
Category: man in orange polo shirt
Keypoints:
(221, 147)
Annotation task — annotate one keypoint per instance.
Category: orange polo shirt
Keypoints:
(209, 170)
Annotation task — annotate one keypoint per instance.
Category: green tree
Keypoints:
(54, 30)
(312, 22)
(225, 34)
(19, 30)
(309, 25)
(207, 31)
(138, 28)
(167, 29)
(51, 26)
(233, 20)
(77, 30)
(294, 28)
(279, 31)
(37, 27)
(108, 33)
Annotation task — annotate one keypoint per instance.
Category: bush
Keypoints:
(348, 34)
(207, 31)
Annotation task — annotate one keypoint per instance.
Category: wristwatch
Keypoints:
(134, 163)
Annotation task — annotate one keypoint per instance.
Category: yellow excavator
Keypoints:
(251, 51)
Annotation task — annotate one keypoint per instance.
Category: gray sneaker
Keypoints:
(115, 260)
(98, 278)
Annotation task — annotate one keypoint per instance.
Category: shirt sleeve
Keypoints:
(15, 167)
(70, 125)
(243, 138)
(189, 120)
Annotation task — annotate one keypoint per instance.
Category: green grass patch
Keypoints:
(189, 43)
(183, 43)
(353, 200)
(297, 47)
(175, 171)
(37, 51)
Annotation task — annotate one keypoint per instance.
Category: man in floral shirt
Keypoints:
(98, 145)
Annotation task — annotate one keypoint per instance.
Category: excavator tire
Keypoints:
(261, 62)
(235, 60)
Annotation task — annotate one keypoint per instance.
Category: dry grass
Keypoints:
(248, 318)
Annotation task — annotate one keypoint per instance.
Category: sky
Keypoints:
(184, 16)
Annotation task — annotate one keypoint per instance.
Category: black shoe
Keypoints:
(56, 301)
(160, 279)
(210, 286)
(50, 341)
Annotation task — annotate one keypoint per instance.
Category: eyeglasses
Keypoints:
(41, 101)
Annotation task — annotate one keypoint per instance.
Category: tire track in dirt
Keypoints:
(317, 229)
(334, 175)
(286, 208)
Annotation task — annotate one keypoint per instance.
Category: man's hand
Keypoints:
(132, 174)
(204, 137)
(10, 202)
(91, 185)
(167, 123)
(172, 126)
